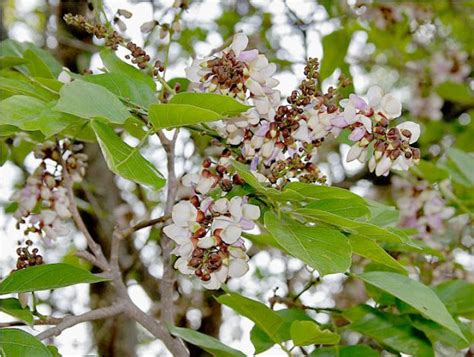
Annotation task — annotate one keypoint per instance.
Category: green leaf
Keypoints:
(176, 115)
(335, 47)
(16, 343)
(262, 315)
(455, 92)
(464, 164)
(345, 351)
(383, 215)
(207, 343)
(4, 152)
(318, 192)
(31, 114)
(437, 333)
(262, 342)
(368, 248)
(415, 294)
(221, 104)
(392, 331)
(125, 160)
(17, 85)
(45, 277)
(16, 49)
(11, 61)
(135, 92)
(183, 83)
(116, 65)
(304, 333)
(324, 249)
(458, 296)
(366, 229)
(13, 308)
(346, 208)
(429, 171)
(89, 101)
(36, 66)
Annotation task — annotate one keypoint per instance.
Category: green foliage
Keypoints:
(131, 91)
(415, 294)
(457, 296)
(207, 343)
(125, 160)
(335, 47)
(176, 115)
(13, 308)
(89, 101)
(262, 342)
(31, 114)
(15, 342)
(324, 249)
(345, 351)
(305, 333)
(221, 104)
(45, 277)
(392, 331)
(265, 318)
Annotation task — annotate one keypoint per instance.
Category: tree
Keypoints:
(254, 183)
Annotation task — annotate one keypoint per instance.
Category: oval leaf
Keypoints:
(304, 333)
(15, 342)
(176, 115)
(207, 343)
(221, 104)
(125, 160)
(415, 294)
(324, 249)
(89, 100)
(262, 315)
(13, 308)
(45, 277)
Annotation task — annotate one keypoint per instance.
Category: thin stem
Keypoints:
(70, 321)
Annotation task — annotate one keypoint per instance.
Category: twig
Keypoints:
(47, 321)
(70, 321)
(167, 280)
(101, 262)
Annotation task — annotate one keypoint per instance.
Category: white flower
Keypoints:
(413, 128)
(231, 233)
(238, 268)
(207, 242)
(391, 106)
(251, 212)
(183, 213)
(383, 166)
(205, 184)
(179, 234)
(221, 205)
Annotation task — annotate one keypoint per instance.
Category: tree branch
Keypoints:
(70, 321)
(168, 278)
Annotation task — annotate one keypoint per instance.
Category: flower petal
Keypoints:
(239, 43)
(238, 268)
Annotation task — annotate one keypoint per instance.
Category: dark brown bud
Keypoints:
(206, 163)
(200, 216)
(194, 201)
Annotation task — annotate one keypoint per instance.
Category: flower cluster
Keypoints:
(369, 123)
(421, 207)
(43, 204)
(26, 258)
(208, 237)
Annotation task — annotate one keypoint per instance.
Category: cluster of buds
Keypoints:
(213, 175)
(111, 37)
(208, 237)
(43, 204)
(140, 57)
(369, 123)
(421, 207)
(236, 72)
(26, 258)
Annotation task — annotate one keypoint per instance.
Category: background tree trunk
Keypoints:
(114, 336)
